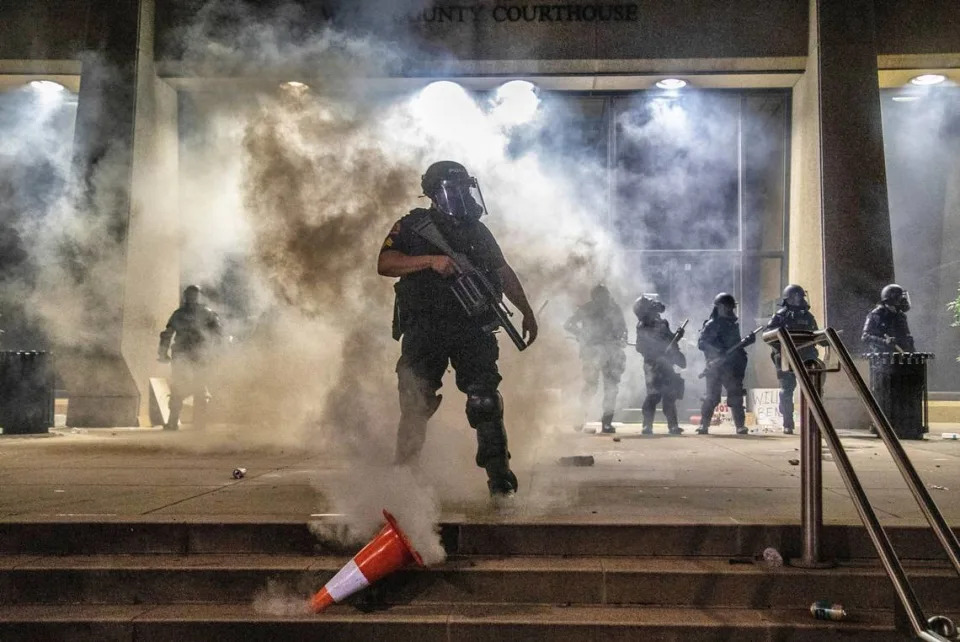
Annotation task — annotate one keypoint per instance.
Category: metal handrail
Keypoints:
(935, 518)
(888, 557)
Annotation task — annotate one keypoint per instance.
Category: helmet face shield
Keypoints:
(460, 198)
(904, 303)
(895, 296)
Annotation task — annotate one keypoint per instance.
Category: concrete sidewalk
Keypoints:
(148, 474)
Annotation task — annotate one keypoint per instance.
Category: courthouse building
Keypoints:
(833, 167)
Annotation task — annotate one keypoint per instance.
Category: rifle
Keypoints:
(472, 289)
(713, 364)
(890, 342)
(676, 336)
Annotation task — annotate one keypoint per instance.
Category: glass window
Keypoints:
(676, 165)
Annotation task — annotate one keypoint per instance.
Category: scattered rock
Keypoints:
(794, 462)
(772, 558)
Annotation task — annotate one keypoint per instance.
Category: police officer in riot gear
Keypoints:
(661, 352)
(719, 334)
(195, 331)
(601, 330)
(886, 329)
(435, 328)
(794, 314)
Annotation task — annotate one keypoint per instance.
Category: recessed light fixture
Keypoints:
(47, 86)
(294, 84)
(905, 99)
(516, 102)
(927, 79)
(671, 83)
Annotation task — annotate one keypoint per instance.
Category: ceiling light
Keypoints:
(516, 102)
(445, 104)
(905, 99)
(46, 86)
(928, 79)
(671, 83)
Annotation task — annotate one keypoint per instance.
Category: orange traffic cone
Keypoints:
(389, 551)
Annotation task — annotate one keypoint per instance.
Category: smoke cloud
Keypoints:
(286, 193)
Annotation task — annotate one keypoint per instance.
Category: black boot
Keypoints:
(648, 415)
(606, 424)
(739, 418)
(501, 482)
(670, 411)
(173, 421)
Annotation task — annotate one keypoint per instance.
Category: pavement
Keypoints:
(153, 475)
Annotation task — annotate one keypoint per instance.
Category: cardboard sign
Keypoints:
(766, 406)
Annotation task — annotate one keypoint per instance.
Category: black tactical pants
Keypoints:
(730, 378)
(188, 378)
(426, 350)
(608, 360)
(663, 384)
(788, 383)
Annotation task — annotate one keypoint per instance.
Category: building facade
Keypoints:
(826, 166)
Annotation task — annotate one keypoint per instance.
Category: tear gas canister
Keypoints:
(826, 610)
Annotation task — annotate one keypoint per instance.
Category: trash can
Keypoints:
(898, 381)
(26, 392)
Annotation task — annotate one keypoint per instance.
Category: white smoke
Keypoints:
(287, 193)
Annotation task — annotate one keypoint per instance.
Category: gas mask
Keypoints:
(460, 197)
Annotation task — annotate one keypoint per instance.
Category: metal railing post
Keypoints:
(888, 557)
(811, 478)
(948, 540)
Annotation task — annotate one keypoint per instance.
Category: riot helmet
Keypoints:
(723, 300)
(895, 296)
(795, 296)
(599, 292)
(191, 294)
(647, 306)
(453, 191)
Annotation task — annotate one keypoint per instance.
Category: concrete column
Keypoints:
(101, 388)
(947, 346)
(152, 271)
(840, 242)
(857, 246)
(806, 224)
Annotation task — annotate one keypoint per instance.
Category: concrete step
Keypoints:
(487, 539)
(672, 582)
(428, 623)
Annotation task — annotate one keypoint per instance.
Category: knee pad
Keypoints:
(484, 406)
